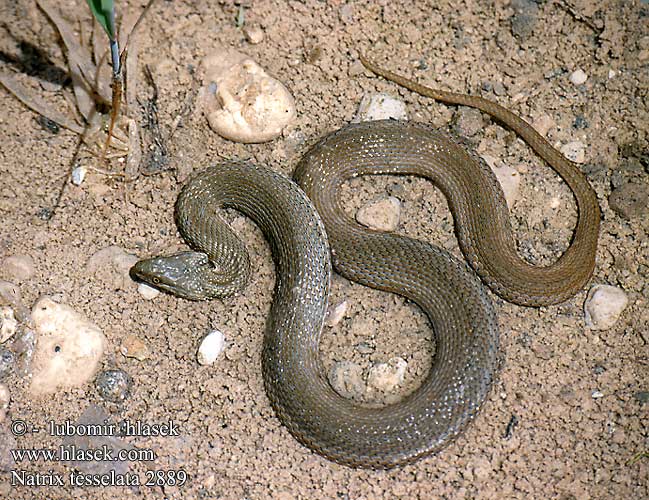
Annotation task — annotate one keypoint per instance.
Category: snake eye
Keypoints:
(155, 281)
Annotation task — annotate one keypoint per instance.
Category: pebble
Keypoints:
(365, 347)
(148, 292)
(356, 69)
(112, 265)
(5, 398)
(629, 200)
(10, 293)
(597, 395)
(580, 122)
(93, 416)
(380, 107)
(508, 177)
(396, 189)
(114, 385)
(346, 378)
(543, 124)
(241, 101)
(574, 151)
(211, 347)
(23, 349)
(642, 397)
(336, 313)
(578, 77)
(381, 214)
(467, 122)
(78, 175)
(387, 376)
(253, 33)
(19, 267)
(8, 324)
(499, 88)
(68, 347)
(7, 444)
(133, 347)
(7, 361)
(603, 306)
(524, 18)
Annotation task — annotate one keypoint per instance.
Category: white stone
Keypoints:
(211, 347)
(8, 324)
(336, 314)
(381, 107)
(603, 306)
(574, 151)
(148, 292)
(509, 178)
(68, 347)
(20, 267)
(387, 376)
(254, 34)
(10, 292)
(578, 77)
(5, 399)
(78, 175)
(381, 214)
(597, 394)
(542, 124)
(241, 101)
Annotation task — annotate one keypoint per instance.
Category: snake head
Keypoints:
(178, 274)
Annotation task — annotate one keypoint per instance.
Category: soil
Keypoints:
(569, 412)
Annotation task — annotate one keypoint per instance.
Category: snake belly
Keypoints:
(466, 335)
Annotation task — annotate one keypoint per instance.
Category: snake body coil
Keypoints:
(461, 315)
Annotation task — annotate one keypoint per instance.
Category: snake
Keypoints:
(308, 231)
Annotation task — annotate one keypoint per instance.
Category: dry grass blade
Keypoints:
(130, 66)
(78, 56)
(34, 103)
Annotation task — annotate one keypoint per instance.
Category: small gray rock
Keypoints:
(7, 362)
(7, 443)
(642, 397)
(95, 415)
(499, 88)
(467, 122)
(629, 200)
(114, 385)
(365, 347)
(524, 18)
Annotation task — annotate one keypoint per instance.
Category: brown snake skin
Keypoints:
(460, 312)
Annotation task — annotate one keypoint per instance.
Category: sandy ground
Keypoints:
(566, 444)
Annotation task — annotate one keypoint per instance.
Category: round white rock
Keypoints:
(211, 347)
(242, 102)
(603, 306)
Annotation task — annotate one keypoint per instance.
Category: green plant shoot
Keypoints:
(104, 12)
